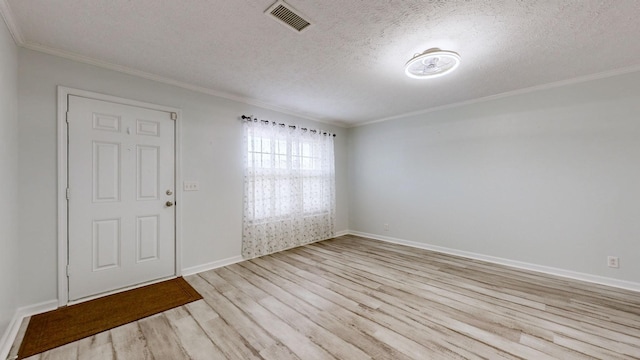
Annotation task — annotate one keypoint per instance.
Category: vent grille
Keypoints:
(285, 13)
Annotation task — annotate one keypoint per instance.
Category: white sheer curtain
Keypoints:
(289, 188)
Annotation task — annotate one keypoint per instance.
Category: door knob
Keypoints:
(169, 203)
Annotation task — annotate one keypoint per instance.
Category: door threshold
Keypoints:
(107, 293)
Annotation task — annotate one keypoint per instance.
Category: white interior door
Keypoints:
(121, 163)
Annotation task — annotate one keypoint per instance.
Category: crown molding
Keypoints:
(552, 85)
(16, 33)
(168, 81)
(10, 20)
(14, 29)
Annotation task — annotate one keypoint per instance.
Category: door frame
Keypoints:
(63, 168)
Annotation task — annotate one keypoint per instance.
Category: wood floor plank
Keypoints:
(516, 304)
(436, 338)
(319, 335)
(589, 349)
(96, 347)
(324, 306)
(425, 327)
(566, 286)
(226, 338)
(254, 334)
(358, 298)
(573, 323)
(331, 343)
(129, 343)
(298, 343)
(64, 352)
(339, 326)
(553, 349)
(379, 324)
(193, 339)
(278, 352)
(161, 339)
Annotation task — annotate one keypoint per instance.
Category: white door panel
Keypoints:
(121, 176)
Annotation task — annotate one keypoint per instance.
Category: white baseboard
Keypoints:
(212, 265)
(232, 260)
(10, 333)
(342, 233)
(9, 336)
(623, 284)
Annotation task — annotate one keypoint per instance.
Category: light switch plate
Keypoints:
(191, 186)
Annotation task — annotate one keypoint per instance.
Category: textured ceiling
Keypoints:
(348, 66)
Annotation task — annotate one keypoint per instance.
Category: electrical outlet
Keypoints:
(613, 262)
(386, 227)
(191, 186)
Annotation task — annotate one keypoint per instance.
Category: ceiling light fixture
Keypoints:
(432, 63)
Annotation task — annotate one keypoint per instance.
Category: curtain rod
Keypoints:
(249, 118)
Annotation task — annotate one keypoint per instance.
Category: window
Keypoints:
(289, 187)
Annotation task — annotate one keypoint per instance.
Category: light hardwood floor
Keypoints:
(356, 298)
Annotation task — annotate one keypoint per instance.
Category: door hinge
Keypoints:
(68, 270)
(68, 193)
(174, 116)
(67, 117)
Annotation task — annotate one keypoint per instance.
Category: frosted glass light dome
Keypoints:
(432, 63)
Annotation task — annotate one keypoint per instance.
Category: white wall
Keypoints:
(550, 178)
(8, 178)
(211, 154)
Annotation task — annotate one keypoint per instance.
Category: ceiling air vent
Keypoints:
(288, 15)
